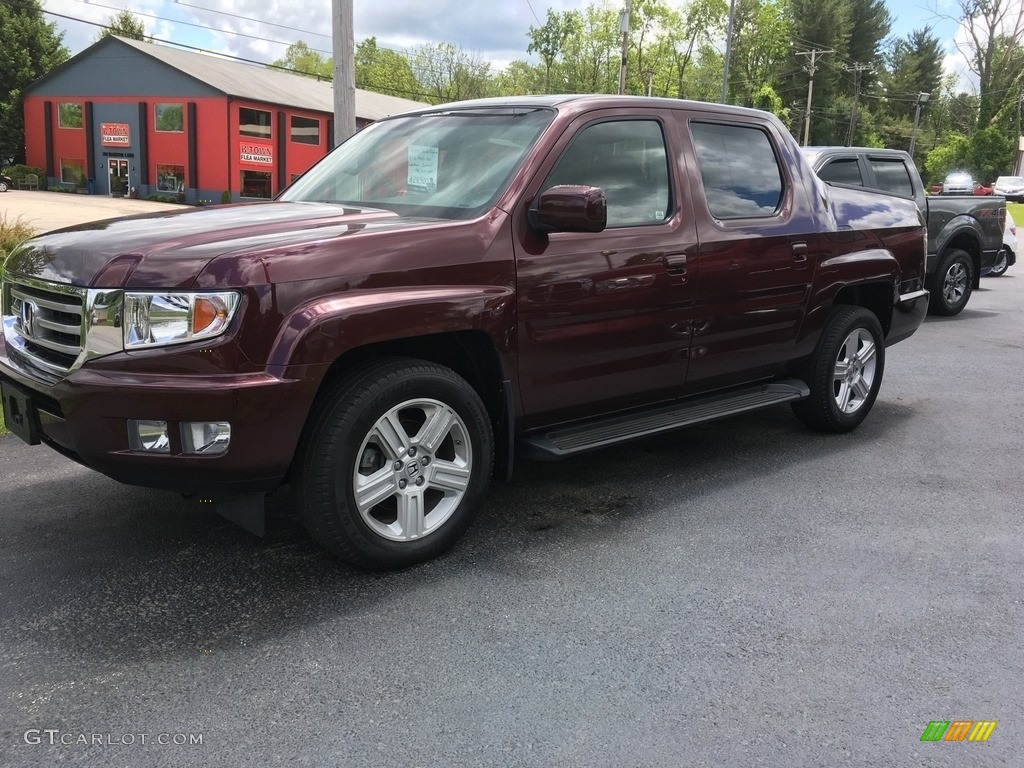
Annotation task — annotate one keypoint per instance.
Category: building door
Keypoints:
(118, 175)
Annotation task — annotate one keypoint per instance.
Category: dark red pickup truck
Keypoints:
(452, 288)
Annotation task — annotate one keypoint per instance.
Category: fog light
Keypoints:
(206, 437)
(147, 435)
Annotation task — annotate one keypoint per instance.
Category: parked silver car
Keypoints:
(958, 184)
(1010, 187)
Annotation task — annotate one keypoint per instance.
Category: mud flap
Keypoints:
(247, 511)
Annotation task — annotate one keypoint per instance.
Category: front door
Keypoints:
(118, 175)
(604, 317)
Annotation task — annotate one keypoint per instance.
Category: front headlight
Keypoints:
(156, 319)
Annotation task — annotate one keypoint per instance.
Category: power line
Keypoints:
(534, 12)
(811, 69)
(316, 75)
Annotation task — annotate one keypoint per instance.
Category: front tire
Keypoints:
(394, 464)
(845, 372)
(951, 284)
(3, 186)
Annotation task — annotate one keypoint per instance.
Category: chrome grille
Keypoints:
(48, 322)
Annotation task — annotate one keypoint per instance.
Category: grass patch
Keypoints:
(1017, 211)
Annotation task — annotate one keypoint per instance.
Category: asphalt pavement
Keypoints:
(744, 593)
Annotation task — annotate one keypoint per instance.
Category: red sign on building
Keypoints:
(115, 135)
(260, 154)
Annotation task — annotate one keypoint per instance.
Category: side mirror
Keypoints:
(569, 208)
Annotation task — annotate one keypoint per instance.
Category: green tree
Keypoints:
(994, 31)
(305, 61)
(761, 45)
(29, 47)
(447, 73)
(123, 24)
(547, 41)
(949, 156)
(384, 71)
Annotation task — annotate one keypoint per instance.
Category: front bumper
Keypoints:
(84, 416)
(908, 313)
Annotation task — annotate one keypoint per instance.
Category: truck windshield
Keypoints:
(449, 164)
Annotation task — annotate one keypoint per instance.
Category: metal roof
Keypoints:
(271, 86)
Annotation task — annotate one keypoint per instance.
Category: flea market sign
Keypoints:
(115, 135)
(256, 153)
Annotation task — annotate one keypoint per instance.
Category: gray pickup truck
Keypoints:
(965, 232)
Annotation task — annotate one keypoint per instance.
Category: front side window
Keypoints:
(305, 130)
(447, 164)
(170, 178)
(254, 122)
(72, 172)
(892, 176)
(69, 114)
(843, 171)
(739, 170)
(169, 118)
(627, 159)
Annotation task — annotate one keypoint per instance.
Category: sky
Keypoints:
(261, 30)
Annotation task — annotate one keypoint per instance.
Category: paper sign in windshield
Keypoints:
(422, 168)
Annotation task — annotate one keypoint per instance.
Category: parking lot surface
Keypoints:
(743, 593)
(44, 211)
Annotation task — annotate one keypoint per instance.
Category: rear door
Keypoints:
(604, 317)
(759, 242)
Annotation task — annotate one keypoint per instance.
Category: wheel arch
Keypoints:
(966, 240)
(472, 354)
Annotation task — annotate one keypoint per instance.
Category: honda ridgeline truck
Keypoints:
(453, 288)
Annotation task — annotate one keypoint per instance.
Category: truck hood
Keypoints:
(169, 250)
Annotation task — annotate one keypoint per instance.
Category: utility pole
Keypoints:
(856, 69)
(811, 68)
(624, 31)
(728, 51)
(921, 99)
(344, 49)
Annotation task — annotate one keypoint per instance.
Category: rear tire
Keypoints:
(951, 284)
(1002, 264)
(845, 372)
(394, 463)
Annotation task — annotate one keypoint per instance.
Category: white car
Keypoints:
(1010, 187)
(1008, 253)
(958, 184)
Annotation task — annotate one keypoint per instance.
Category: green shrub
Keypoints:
(12, 232)
(19, 172)
(225, 197)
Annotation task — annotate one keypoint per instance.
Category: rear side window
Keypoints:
(739, 170)
(843, 171)
(892, 176)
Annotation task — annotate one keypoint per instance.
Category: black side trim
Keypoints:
(193, 159)
(48, 131)
(143, 144)
(90, 146)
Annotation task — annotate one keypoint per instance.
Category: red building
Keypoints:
(133, 115)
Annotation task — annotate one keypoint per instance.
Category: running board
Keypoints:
(567, 441)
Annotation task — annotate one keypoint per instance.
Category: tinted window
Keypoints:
(169, 117)
(626, 159)
(845, 171)
(254, 122)
(739, 170)
(305, 130)
(892, 176)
